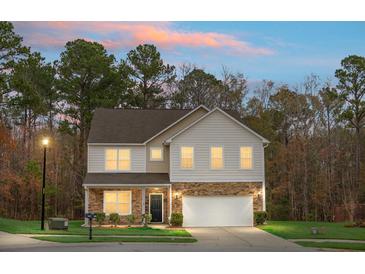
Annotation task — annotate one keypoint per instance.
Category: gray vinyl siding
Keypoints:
(96, 158)
(217, 130)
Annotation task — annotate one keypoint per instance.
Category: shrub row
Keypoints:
(114, 218)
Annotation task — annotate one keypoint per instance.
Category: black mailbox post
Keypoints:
(90, 217)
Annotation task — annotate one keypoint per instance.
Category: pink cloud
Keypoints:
(118, 35)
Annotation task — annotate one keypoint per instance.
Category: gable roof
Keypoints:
(233, 115)
(131, 125)
(139, 126)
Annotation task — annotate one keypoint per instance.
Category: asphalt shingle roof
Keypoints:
(134, 125)
(126, 178)
(131, 125)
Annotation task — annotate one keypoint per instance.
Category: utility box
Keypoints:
(58, 223)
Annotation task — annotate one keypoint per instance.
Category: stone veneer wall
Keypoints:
(216, 189)
(188, 189)
(96, 198)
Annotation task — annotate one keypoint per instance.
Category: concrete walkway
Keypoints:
(328, 240)
(209, 239)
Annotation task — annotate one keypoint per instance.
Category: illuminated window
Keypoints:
(117, 202)
(156, 154)
(246, 157)
(111, 159)
(124, 159)
(216, 157)
(117, 159)
(187, 157)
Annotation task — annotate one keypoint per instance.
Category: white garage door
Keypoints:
(217, 211)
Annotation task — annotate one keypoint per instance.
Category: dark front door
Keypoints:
(156, 207)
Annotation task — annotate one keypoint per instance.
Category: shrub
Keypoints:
(100, 218)
(114, 218)
(176, 219)
(130, 219)
(147, 219)
(260, 217)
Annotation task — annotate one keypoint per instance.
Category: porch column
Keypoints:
(170, 202)
(143, 200)
(86, 203)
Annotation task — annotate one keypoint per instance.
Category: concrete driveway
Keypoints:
(209, 239)
(241, 239)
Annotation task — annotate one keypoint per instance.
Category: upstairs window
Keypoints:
(111, 159)
(216, 157)
(186, 157)
(246, 157)
(117, 202)
(156, 154)
(117, 159)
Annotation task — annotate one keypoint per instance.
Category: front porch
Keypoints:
(143, 199)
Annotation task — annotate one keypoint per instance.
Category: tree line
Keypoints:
(313, 163)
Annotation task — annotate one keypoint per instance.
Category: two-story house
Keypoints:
(203, 163)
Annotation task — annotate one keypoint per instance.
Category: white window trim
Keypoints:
(193, 158)
(149, 205)
(210, 157)
(162, 156)
(117, 169)
(239, 153)
(130, 201)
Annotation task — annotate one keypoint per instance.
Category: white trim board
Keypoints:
(176, 122)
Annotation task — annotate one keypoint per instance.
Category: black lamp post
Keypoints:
(45, 142)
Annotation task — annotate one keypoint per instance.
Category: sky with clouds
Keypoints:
(281, 51)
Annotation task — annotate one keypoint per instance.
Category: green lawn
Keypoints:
(33, 227)
(335, 245)
(84, 239)
(302, 230)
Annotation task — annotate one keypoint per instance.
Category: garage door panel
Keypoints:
(208, 211)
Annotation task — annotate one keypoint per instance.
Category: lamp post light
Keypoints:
(45, 142)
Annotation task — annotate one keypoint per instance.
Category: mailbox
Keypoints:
(90, 215)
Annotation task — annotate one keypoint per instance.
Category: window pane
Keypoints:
(156, 154)
(187, 152)
(124, 165)
(111, 165)
(246, 152)
(124, 154)
(111, 154)
(186, 163)
(187, 157)
(217, 163)
(110, 197)
(123, 208)
(246, 163)
(124, 196)
(111, 208)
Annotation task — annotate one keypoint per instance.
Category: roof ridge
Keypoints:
(139, 109)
